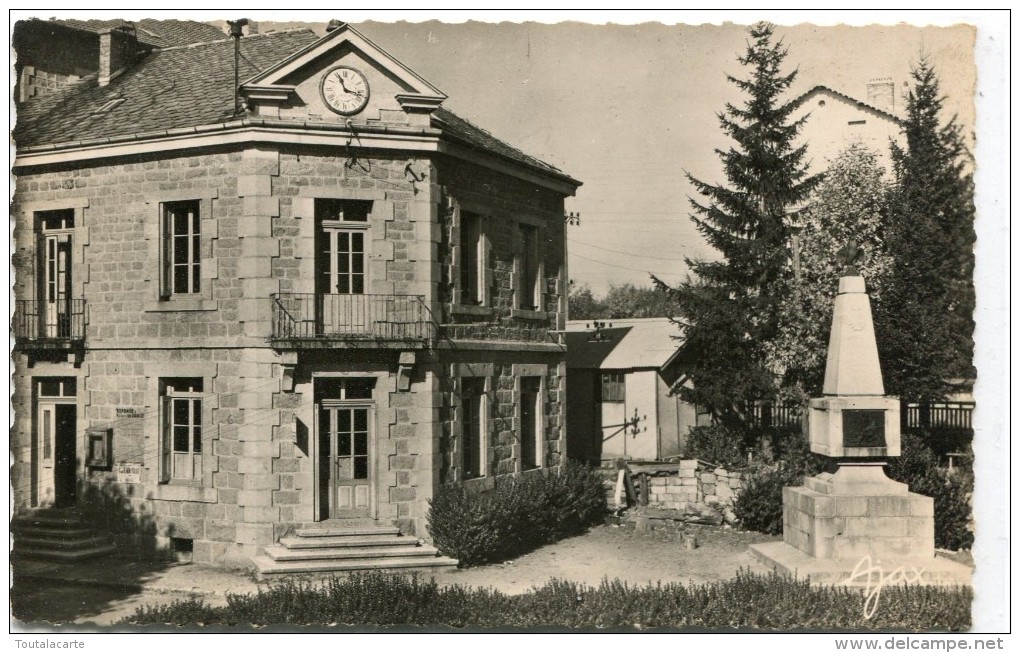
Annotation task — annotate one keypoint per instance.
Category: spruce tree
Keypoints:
(729, 308)
(924, 323)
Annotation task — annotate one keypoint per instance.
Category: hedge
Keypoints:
(758, 601)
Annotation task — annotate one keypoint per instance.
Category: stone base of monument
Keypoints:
(839, 528)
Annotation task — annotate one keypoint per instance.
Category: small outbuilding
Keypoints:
(619, 405)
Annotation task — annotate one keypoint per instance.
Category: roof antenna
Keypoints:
(236, 32)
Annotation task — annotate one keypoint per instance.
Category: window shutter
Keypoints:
(165, 438)
(485, 270)
(515, 278)
(543, 286)
(165, 262)
(457, 275)
(317, 454)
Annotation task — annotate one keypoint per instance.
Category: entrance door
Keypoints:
(55, 273)
(55, 451)
(344, 461)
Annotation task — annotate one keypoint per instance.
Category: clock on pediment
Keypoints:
(344, 90)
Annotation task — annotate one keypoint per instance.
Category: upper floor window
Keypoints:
(529, 268)
(341, 249)
(181, 240)
(471, 274)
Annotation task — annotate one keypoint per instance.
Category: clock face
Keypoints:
(345, 90)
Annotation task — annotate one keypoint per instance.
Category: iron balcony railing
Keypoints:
(309, 316)
(49, 322)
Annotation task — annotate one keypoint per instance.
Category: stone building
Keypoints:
(838, 120)
(305, 305)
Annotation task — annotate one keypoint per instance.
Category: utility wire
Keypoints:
(623, 267)
(617, 251)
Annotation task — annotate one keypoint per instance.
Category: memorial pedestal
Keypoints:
(857, 526)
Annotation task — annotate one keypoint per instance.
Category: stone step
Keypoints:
(283, 553)
(54, 520)
(31, 530)
(267, 566)
(63, 544)
(66, 555)
(347, 532)
(329, 542)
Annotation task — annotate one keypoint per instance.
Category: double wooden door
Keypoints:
(345, 461)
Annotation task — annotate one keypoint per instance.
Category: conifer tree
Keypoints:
(924, 323)
(729, 308)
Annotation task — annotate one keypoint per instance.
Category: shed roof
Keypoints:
(648, 343)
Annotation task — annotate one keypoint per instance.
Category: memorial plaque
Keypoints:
(863, 428)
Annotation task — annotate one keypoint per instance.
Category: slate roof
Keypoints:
(152, 32)
(628, 344)
(172, 88)
(474, 136)
(192, 86)
(800, 99)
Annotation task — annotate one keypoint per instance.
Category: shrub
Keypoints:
(759, 504)
(760, 601)
(517, 515)
(918, 467)
(716, 444)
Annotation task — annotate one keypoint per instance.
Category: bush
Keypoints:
(716, 444)
(517, 515)
(760, 601)
(918, 467)
(759, 504)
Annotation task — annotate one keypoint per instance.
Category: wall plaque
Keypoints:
(863, 428)
(129, 473)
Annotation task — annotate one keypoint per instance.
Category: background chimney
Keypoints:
(117, 48)
(882, 94)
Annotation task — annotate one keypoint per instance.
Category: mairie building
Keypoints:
(294, 304)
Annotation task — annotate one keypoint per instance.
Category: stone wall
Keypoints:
(503, 203)
(691, 488)
(501, 372)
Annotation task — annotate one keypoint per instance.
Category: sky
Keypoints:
(627, 109)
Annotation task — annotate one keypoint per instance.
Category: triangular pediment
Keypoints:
(294, 87)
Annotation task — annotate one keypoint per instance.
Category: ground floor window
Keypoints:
(473, 426)
(531, 422)
(181, 446)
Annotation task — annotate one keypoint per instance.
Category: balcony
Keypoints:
(312, 321)
(49, 325)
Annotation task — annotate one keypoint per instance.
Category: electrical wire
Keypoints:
(617, 251)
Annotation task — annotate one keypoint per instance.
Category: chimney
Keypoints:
(253, 28)
(882, 94)
(117, 49)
